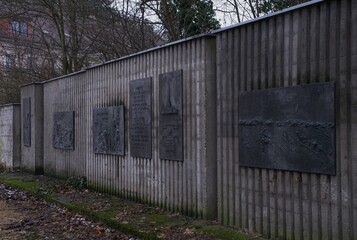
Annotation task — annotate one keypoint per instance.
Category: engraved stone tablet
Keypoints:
(289, 128)
(63, 130)
(26, 124)
(108, 130)
(140, 118)
(170, 109)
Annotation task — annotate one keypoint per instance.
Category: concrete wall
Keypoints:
(66, 94)
(187, 186)
(312, 43)
(316, 43)
(10, 136)
(32, 156)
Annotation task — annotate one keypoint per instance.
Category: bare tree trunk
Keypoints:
(252, 8)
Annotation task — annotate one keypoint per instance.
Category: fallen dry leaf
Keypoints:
(189, 232)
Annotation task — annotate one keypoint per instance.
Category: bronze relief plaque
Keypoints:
(108, 130)
(63, 130)
(140, 118)
(290, 128)
(26, 121)
(170, 114)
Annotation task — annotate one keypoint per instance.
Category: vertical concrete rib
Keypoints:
(353, 118)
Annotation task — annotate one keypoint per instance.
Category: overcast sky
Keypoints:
(224, 19)
(219, 6)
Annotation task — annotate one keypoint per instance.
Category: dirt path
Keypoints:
(8, 216)
(25, 217)
(28, 216)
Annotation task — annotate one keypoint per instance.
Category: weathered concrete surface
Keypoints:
(306, 45)
(64, 95)
(10, 136)
(32, 156)
(188, 185)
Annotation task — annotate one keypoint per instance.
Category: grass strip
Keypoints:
(40, 190)
(33, 188)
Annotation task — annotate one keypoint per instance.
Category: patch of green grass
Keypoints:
(159, 219)
(106, 210)
(107, 214)
(77, 182)
(104, 217)
(78, 204)
(31, 187)
(164, 220)
(221, 232)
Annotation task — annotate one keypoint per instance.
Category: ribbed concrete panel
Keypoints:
(32, 154)
(10, 153)
(65, 94)
(188, 185)
(312, 44)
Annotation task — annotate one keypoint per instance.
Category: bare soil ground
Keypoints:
(27, 217)
(8, 216)
(24, 214)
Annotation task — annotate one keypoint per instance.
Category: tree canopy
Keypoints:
(183, 18)
(43, 39)
(235, 11)
(268, 6)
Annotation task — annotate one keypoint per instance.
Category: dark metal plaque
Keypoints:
(289, 128)
(108, 130)
(171, 132)
(140, 118)
(63, 130)
(26, 122)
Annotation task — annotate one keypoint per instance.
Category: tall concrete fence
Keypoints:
(254, 124)
(181, 174)
(312, 44)
(64, 95)
(10, 136)
(32, 128)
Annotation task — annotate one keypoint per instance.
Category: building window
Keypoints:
(23, 28)
(19, 28)
(9, 61)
